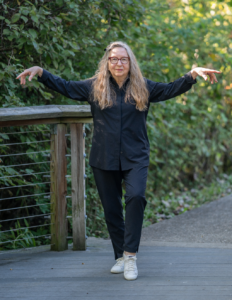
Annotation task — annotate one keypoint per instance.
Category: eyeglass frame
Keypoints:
(119, 59)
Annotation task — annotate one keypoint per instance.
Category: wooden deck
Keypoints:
(165, 273)
(172, 264)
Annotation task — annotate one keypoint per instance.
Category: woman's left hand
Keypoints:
(204, 72)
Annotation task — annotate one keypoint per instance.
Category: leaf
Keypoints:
(74, 46)
(59, 2)
(6, 31)
(4, 136)
(15, 18)
(69, 63)
(55, 64)
(25, 12)
(11, 171)
(33, 33)
(35, 45)
(2, 75)
(35, 19)
(24, 19)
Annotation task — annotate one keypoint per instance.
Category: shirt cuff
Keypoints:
(188, 77)
(44, 76)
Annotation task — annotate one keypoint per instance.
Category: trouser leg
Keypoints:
(135, 181)
(110, 192)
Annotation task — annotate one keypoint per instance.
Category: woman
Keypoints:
(120, 97)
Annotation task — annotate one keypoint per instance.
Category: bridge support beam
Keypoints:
(58, 167)
(78, 186)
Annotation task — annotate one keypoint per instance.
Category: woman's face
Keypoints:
(119, 70)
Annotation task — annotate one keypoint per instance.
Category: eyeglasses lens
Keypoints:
(114, 60)
(124, 60)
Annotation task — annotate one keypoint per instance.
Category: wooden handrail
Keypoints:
(59, 116)
(45, 114)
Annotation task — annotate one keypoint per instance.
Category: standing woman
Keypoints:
(120, 97)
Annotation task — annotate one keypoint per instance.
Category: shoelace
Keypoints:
(131, 263)
(119, 261)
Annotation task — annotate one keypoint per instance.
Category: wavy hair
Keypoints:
(136, 89)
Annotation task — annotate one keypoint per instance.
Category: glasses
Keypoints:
(124, 60)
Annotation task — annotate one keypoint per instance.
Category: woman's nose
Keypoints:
(119, 62)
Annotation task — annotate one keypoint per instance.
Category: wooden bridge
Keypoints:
(172, 265)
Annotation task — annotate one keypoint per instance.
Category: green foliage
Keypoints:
(21, 238)
(65, 37)
(190, 136)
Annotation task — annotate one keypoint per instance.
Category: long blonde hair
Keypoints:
(136, 88)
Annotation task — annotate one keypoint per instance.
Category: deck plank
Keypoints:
(164, 273)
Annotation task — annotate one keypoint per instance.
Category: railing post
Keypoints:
(58, 167)
(78, 186)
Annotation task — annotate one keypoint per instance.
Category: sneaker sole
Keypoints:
(116, 272)
(130, 278)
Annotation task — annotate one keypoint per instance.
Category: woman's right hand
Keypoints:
(31, 72)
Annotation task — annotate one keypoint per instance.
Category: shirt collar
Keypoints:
(115, 83)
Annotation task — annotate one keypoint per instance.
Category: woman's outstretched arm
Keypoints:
(77, 90)
(163, 91)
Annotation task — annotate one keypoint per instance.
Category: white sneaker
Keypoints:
(130, 269)
(119, 266)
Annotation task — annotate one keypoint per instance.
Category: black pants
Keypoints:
(124, 235)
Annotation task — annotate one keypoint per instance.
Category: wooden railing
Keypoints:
(58, 116)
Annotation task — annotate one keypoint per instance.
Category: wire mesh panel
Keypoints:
(25, 186)
(42, 186)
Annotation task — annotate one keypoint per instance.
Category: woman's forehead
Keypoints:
(119, 52)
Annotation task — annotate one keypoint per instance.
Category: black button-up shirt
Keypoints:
(120, 135)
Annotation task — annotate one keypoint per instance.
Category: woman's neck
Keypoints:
(120, 81)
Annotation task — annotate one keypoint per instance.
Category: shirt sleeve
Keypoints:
(164, 91)
(77, 90)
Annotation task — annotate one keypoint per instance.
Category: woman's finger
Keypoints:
(20, 75)
(215, 78)
(31, 76)
(212, 71)
(23, 79)
(211, 78)
(24, 73)
(202, 74)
